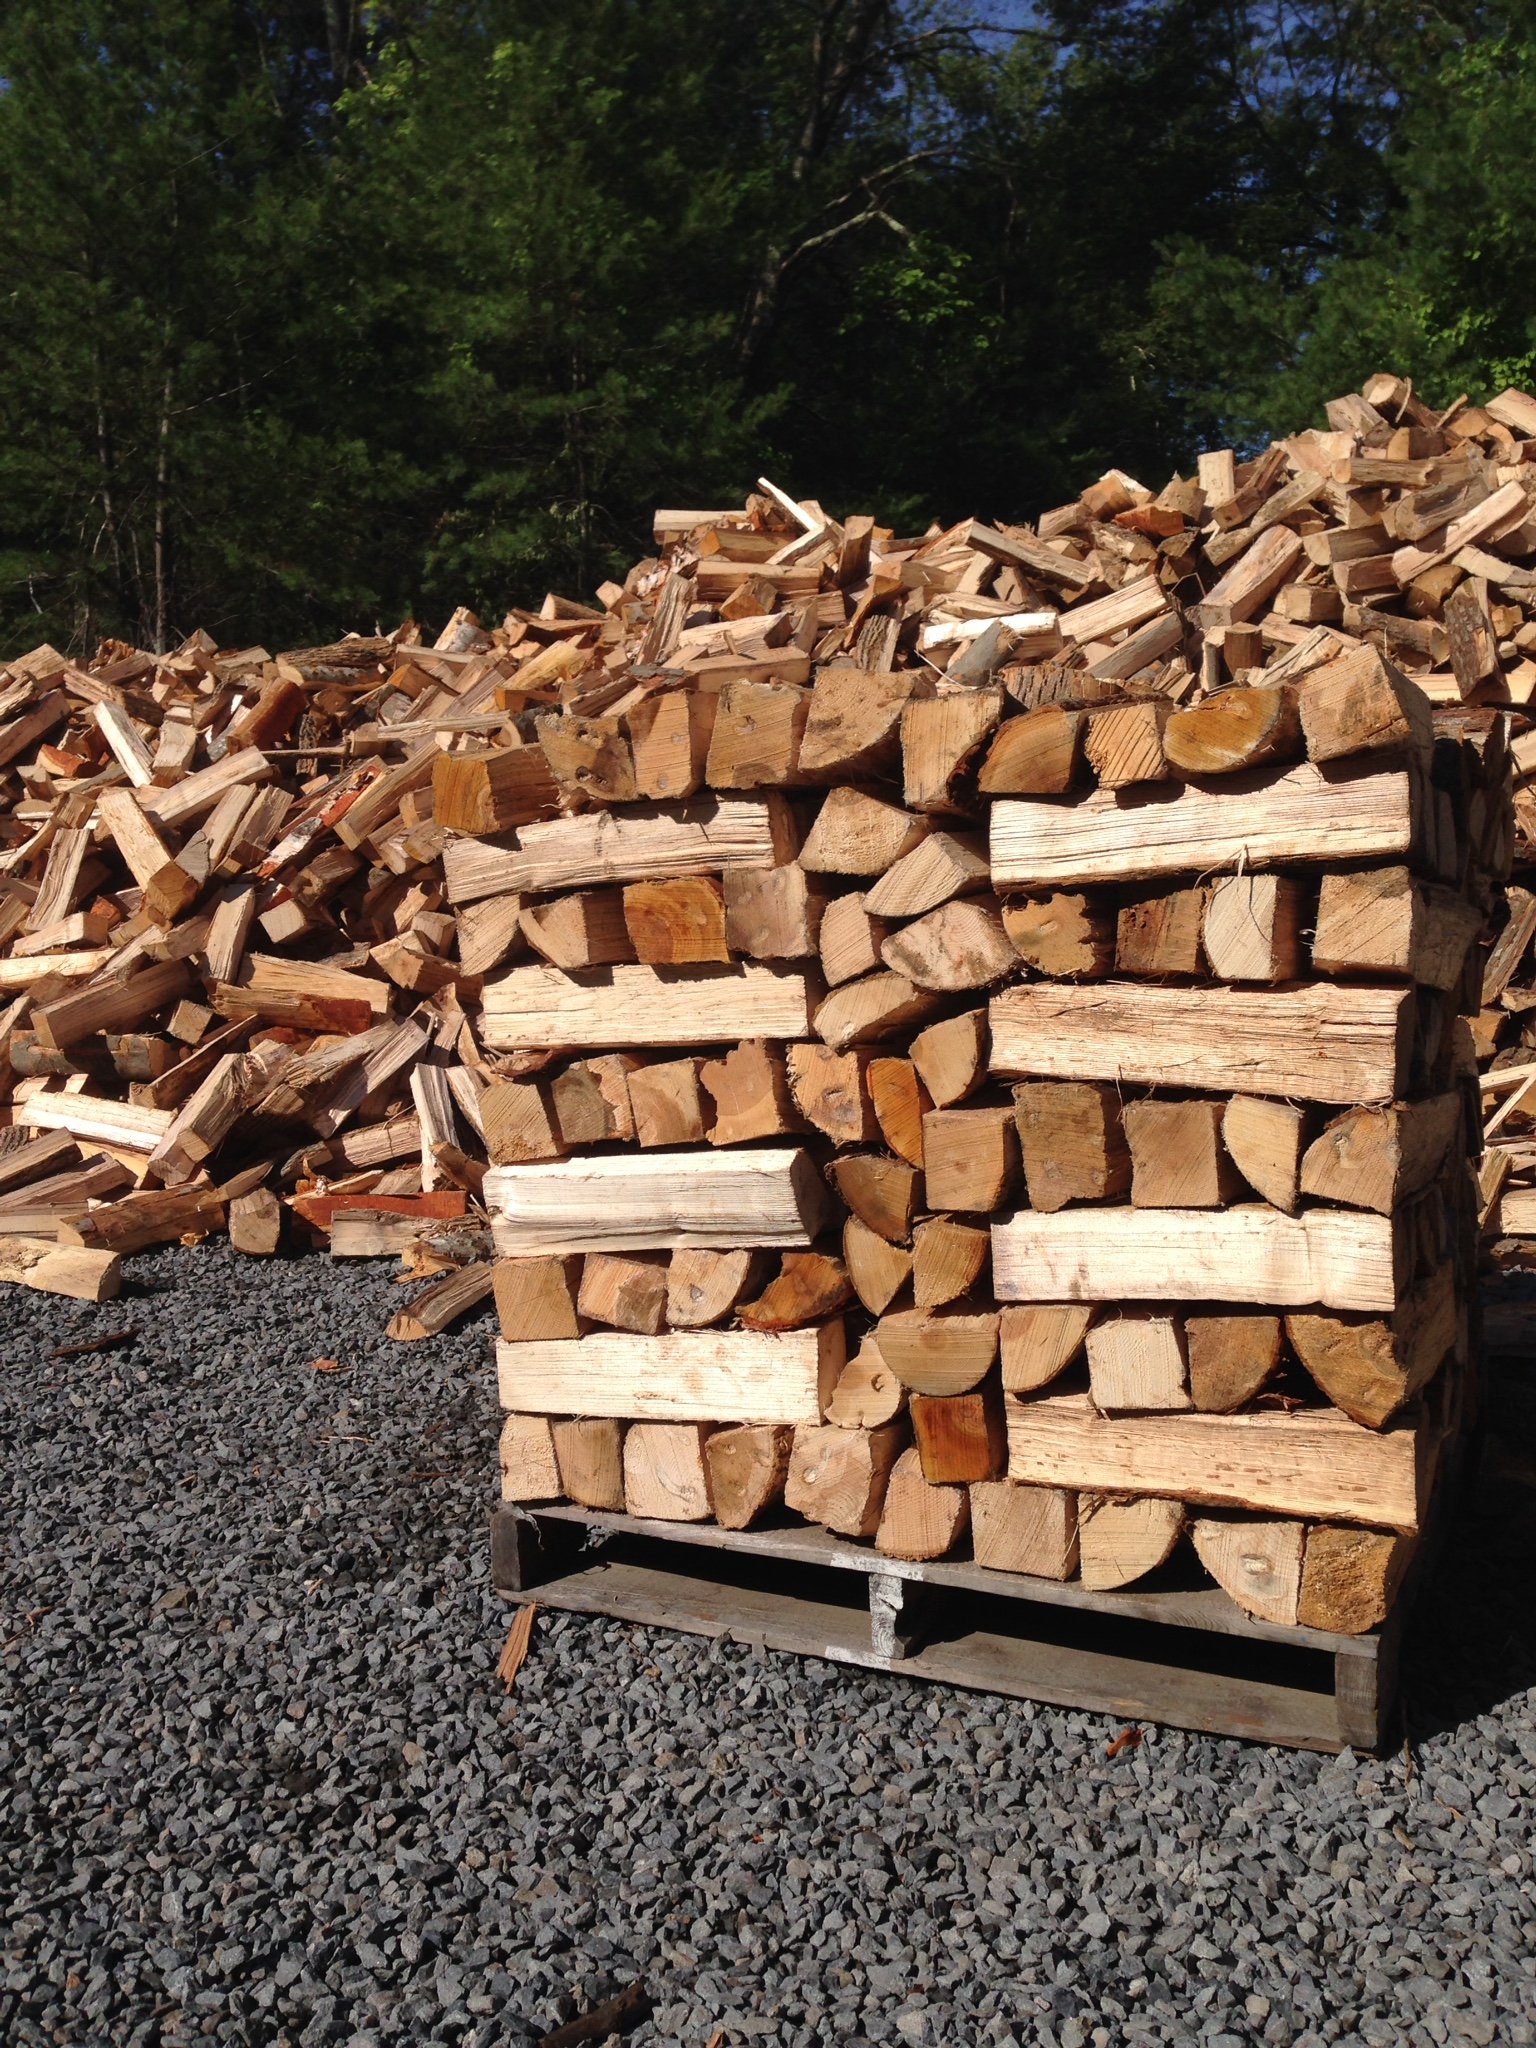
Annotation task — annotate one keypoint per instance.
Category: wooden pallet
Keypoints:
(1188, 1657)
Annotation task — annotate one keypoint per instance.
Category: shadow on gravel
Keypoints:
(1471, 1641)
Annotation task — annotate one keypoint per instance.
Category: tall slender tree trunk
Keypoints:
(162, 471)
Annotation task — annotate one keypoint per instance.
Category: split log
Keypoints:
(1121, 1540)
(1376, 1158)
(838, 1477)
(1253, 926)
(1137, 1363)
(1230, 1359)
(1265, 1141)
(667, 1471)
(856, 833)
(1039, 754)
(970, 1158)
(1065, 936)
(1177, 1157)
(1257, 1564)
(750, 1091)
(625, 1291)
(1073, 1142)
(773, 1198)
(853, 730)
(960, 1437)
(1124, 743)
(1284, 816)
(1348, 1578)
(535, 1299)
(1158, 931)
(938, 868)
(1234, 730)
(669, 738)
(589, 1455)
(808, 1287)
(917, 1518)
(1372, 1366)
(704, 1286)
(529, 1471)
(867, 1393)
(938, 1352)
(680, 923)
(1040, 1341)
(961, 945)
(518, 1123)
(591, 1100)
(940, 738)
(755, 743)
(667, 1103)
(589, 757)
(584, 929)
(951, 1057)
(1380, 921)
(830, 1093)
(601, 847)
(1027, 1529)
(865, 1012)
(948, 1259)
(900, 1103)
(48, 1268)
(1361, 704)
(773, 913)
(878, 1269)
(533, 1008)
(489, 790)
(748, 1466)
(881, 1191)
(850, 940)
(1315, 1464)
(1327, 1043)
(1340, 1258)
(256, 1223)
(691, 1376)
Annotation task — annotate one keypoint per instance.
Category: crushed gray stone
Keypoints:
(258, 1782)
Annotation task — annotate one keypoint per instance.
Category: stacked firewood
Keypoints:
(821, 905)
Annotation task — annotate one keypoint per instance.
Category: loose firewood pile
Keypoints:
(962, 1039)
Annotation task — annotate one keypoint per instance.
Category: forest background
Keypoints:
(315, 314)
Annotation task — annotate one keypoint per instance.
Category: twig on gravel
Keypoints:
(1128, 1738)
(613, 2016)
(108, 1343)
(515, 1649)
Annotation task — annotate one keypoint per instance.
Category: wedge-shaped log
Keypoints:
(625, 1291)
(951, 1057)
(1340, 1258)
(1327, 1043)
(536, 1298)
(878, 1269)
(1234, 730)
(881, 1191)
(691, 1376)
(1120, 1541)
(751, 1094)
(756, 739)
(1039, 754)
(704, 1286)
(867, 1393)
(492, 790)
(1361, 704)
(1315, 1463)
(850, 940)
(1376, 1158)
(643, 1202)
(1029, 1529)
(651, 843)
(1265, 819)
(1125, 743)
(970, 1157)
(856, 833)
(961, 945)
(939, 1352)
(1040, 1341)
(961, 1437)
(937, 869)
(589, 1451)
(536, 1008)
(917, 1518)
(1230, 1358)
(838, 1477)
(863, 1012)
(808, 1287)
(1257, 1563)
(854, 727)
(900, 1102)
(1372, 1366)
(1157, 933)
(669, 738)
(1382, 921)
(680, 923)
(940, 736)
(948, 1259)
(830, 1091)
(773, 913)
(1265, 1140)
(668, 1103)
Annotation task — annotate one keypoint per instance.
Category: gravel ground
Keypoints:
(258, 1784)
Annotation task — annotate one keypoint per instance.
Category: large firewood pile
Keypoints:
(970, 1038)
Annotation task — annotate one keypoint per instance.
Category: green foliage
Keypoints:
(316, 312)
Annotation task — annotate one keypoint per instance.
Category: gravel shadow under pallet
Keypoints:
(1188, 1656)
